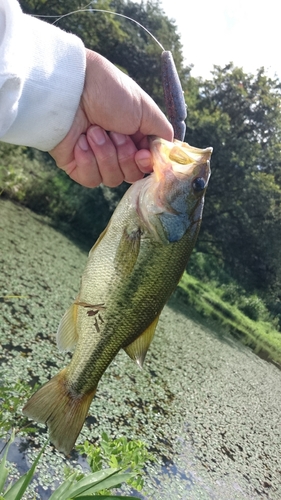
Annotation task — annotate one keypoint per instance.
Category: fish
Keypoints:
(132, 269)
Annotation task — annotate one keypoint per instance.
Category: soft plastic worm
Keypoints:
(173, 93)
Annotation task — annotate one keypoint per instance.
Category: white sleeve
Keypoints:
(42, 71)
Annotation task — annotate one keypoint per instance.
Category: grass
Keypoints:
(76, 485)
(208, 302)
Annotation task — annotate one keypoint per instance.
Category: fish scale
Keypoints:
(131, 272)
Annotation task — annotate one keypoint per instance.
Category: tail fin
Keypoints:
(63, 411)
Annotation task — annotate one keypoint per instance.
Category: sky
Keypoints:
(247, 32)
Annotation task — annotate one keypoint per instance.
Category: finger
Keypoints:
(153, 121)
(106, 156)
(143, 157)
(144, 161)
(85, 169)
(139, 139)
(126, 151)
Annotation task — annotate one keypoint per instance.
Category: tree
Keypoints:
(120, 40)
(135, 52)
(240, 116)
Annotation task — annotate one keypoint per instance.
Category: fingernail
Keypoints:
(98, 135)
(83, 143)
(144, 163)
(118, 139)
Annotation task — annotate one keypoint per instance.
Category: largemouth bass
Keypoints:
(131, 271)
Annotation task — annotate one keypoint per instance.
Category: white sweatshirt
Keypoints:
(42, 71)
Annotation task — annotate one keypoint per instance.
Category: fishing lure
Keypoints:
(173, 93)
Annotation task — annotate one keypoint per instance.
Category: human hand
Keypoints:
(111, 101)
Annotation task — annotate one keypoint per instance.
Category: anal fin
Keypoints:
(137, 350)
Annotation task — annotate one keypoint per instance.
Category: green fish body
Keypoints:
(131, 271)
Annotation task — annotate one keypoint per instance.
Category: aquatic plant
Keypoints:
(113, 462)
(12, 396)
(119, 453)
(75, 486)
(16, 490)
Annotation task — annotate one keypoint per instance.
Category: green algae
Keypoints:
(206, 405)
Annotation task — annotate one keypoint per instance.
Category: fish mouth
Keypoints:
(179, 157)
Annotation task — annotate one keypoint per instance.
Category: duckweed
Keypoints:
(207, 406)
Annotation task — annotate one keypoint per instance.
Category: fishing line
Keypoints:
(173, 93)
(86, 9)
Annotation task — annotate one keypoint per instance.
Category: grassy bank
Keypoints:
(209, 303)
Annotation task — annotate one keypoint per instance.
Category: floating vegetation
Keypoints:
(204, 405)
(76, 485)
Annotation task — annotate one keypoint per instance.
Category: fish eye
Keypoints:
(199, 184)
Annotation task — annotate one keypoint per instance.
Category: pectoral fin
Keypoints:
(137, 350)
(128, 250)
(67, 335)
(98, 241)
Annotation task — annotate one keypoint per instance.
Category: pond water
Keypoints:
(206, 405)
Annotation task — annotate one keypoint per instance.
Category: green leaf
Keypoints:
(16, 491)
(62, 492)
(109, 482)
(4, 471)
(113, 461)
(105, 437)
(107, 497)
(95, 480)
